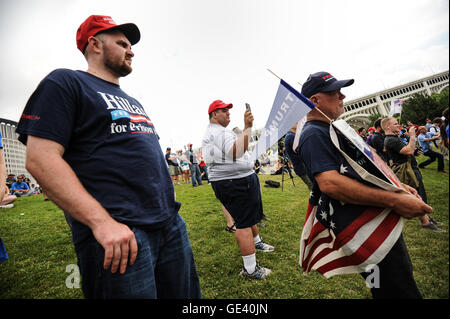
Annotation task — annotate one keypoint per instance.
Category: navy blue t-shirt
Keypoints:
(110, 143)
(320, 155)
(299, 167)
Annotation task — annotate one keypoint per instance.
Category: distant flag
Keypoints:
(288, 108)
(333, 244)
(396, 106)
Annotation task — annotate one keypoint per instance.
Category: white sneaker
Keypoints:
(7, 206)
(264, 247)
(259, 273)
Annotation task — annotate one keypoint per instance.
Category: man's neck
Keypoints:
(315, 115)
(103, 74)
(317, 118)
(212, 121)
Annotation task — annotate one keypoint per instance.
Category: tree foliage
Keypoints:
(374, 117)
(420, 107)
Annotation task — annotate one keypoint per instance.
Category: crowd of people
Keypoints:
(19, 186)
(128, 236)
(399, 145)
(430, 139)
(188, 165)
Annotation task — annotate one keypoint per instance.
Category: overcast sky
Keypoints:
(195, 51)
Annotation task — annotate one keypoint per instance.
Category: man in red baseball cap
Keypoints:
(235, 183)
(96, 24)
(218, 104)
(83, 129)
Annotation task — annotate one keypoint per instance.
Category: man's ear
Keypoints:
(94, 43)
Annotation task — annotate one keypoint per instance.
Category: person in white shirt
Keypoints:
(235, 183)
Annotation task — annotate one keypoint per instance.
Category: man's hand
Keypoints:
(45, 162)
(348, 190)
(241, 144)
(412, 190)
(119, 243)
(248, 119)
(410, 206)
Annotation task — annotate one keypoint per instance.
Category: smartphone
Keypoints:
(247, 106)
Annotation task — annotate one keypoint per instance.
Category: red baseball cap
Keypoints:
(96, 24)
(371, 128)
(218, 104)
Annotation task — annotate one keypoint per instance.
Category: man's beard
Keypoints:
(118, 67)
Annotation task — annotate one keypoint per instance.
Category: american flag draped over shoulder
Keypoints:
(340, 238)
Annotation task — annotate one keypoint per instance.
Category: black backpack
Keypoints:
(270, 183)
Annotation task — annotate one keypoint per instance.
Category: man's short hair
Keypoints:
(385, 121)
(421, 128)
(377, 123)
(437, 120)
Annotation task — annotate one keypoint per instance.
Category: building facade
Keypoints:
(14, 151)
(357, 112)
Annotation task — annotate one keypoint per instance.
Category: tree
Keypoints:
(374, 117)
(442, 101)
(420, 107)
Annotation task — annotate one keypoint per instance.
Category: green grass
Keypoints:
(39, 246)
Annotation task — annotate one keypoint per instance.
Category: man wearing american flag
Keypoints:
(351, 225)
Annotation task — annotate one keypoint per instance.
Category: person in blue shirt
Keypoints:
(20, 188)
(425, 138)
(299, 167)
(84, 138)
(340, 195)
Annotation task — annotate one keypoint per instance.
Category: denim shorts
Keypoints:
(164, 267)
(242, 198)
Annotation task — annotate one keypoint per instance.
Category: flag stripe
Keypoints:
(139, 118)
(347, 234)
(298, 94)
(332, 261)
(363, 241)
(344, 237)
(366, 249)
(376, 256)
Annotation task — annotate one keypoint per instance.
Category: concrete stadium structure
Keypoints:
(357, 111)
(14, 151)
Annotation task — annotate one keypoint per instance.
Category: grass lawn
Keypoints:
(38, 242)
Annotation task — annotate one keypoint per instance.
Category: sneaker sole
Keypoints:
(266, 251)
(242, 273)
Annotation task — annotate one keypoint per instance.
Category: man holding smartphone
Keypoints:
(235, 183)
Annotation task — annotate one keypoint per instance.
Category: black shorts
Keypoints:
(242, 198)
